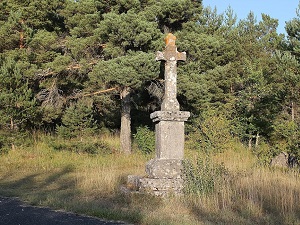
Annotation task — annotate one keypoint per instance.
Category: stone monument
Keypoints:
(164, 171)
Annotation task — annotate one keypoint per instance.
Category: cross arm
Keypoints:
(180, 56)
(160, 56)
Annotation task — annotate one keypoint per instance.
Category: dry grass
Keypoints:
(89, 184)
(250, 194)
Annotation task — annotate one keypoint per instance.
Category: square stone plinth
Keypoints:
(164, 168)
(169, 133)
(161, 187)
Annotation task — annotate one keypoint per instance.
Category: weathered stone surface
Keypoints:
(284, 160)
(161, 187)
(164, 172)
(170, 56)
(169, 133)
(179, 116)
(133, 182)
(280, 160)
(169, 140)
(164, 168)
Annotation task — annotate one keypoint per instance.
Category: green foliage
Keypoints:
(17, 103)
(13, 139)
(89, 147)
(78, 120)
(285, 137)
(8, 28)
(210, 133)
(145, 139)
(202, 176)
(171, 14)
(126, 32)
(264, 153)
(4, 144)
(131, 70)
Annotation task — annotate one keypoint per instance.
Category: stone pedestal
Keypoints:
(169, 144)
(169, 133)
(164, 172)
(161, 187)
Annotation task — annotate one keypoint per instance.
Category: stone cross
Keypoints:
(164, 172)
(169, 122)
(170, 55)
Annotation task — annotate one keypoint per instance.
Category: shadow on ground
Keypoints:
(58, 190)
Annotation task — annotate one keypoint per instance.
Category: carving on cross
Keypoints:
(170, 55)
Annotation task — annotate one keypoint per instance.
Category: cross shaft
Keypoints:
(170, 55)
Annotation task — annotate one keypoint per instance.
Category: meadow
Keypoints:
(245, 193)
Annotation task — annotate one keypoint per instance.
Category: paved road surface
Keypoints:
(15, 212)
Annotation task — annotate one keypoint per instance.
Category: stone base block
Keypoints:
(161, 187)
(164, 168)
(133, 182)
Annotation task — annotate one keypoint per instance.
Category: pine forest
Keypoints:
(78, 81)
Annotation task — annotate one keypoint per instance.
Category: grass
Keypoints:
(90, 184)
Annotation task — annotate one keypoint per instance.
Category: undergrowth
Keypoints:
(223, 188)
(202, 176)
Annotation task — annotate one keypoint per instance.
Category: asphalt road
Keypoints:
(16, 212)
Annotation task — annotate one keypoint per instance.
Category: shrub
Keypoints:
(78, 120)
(145, 139)
(10, 139)
(4, 148)
(210, 134)
(202, 176)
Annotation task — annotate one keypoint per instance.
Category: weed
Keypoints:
(145, 139)
(202, 176)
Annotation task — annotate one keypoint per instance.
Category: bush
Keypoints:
(211, 134)
(4, 148)
(264, 153)
(202, 176)
(78, 120)
(95, 147)
(145, 139)
(10, 139)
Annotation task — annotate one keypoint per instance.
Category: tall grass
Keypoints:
(246, 193)
(249, 193)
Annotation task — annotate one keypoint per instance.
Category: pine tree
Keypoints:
(78, 120)
(17, 103)
(256, 105)
(127, 73)
(130, 33)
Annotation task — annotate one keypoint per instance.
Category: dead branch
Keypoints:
(95, 93)
(48, 72)
(51, 97)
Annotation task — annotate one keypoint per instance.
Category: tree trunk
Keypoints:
(125, 133)
(257, 139)
(293, 111)
(250, 143)
(12, 124)
(12, 128)
(21, 34)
